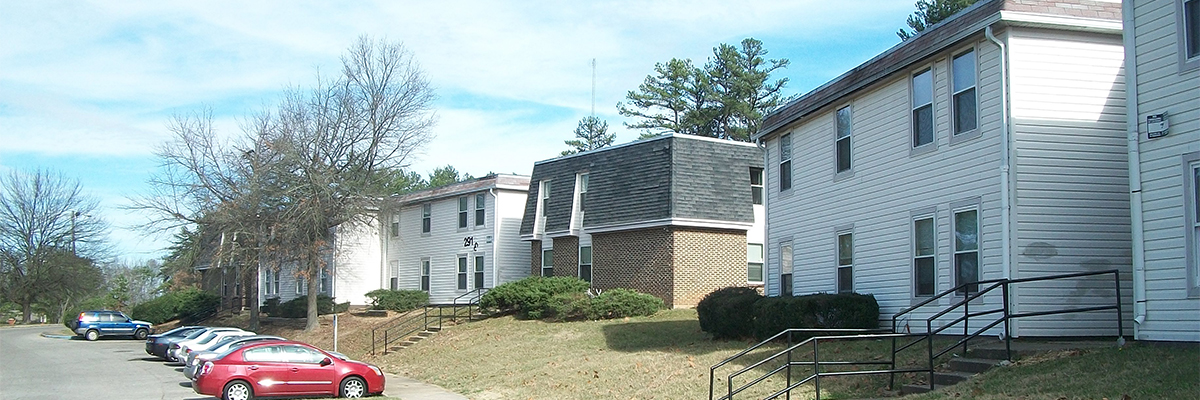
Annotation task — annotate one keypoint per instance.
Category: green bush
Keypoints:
(728, 313)
(397, 300)
(189, 305)
(569, 307)
(298, 307)
(839, 311)
(529, 298)
(621, 303)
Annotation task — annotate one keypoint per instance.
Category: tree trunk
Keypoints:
(314, 277)
(26, 311)
(252, 294)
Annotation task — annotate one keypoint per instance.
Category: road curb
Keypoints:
(51, 335)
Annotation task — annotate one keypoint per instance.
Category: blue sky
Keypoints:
(86, 88)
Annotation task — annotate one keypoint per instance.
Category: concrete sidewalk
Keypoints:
(411, 389)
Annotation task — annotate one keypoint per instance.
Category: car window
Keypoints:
(195, 334)
(108, 317)
(121, 317)
(264, 354)
(301, 354)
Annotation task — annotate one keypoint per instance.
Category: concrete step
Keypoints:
(914, 389)
(433, 329)
(972, 365)
(425, 334)
(950, 378)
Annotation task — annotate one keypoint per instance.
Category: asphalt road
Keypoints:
(37, 367)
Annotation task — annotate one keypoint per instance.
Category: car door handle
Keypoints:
(294, 369)
(252, 367)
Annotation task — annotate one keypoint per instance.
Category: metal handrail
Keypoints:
(789, 332)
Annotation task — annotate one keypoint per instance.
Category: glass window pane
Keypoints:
(1191, 26)
(756, 176)
(478, 263)
(843, 122)
(785, 257)
(754, 253)
(843, 154)
(964, 111)
(964, 71)
(785, 147)
(923, 237)
(462, 265)
(583, 183)
(754, 272)
(785, 175)
(845, 249)
(966, 230)
(585, 272)
(922, 87)
(547, 258)
(585, 255)
(845, 281)
(967, 267)
(462, 204)
(925, 276)
(1196, 187)
(922, 126)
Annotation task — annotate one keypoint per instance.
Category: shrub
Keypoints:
(728, 313)
(569, 307)
(854, 311)
(298, 307)
(529, 298)
(397, 300)
(187, 305)
(621, 303)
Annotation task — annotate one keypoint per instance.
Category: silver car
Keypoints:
(177, 353)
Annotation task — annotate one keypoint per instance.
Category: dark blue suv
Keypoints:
(93, 324)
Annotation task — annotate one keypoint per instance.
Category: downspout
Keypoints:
(1135, 170)
(495, 236)
(1005, 176)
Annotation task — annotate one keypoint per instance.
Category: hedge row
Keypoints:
(189, 305)
(298, 307)
(397, 300)
(566, 299)
(738, 312)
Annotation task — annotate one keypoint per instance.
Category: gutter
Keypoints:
(1135, 171)
(1005, 176)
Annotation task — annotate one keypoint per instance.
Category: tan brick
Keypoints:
(566, 256)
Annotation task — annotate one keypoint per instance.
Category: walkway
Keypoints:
(407, 388)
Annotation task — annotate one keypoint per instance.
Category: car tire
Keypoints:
(353, 388)
(91, 335)
(238, 390)
(141, 334)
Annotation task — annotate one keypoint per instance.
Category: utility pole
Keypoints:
(74, 215)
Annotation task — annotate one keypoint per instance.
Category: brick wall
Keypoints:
(566, 256)
(535, 258)
(706, 260)
(637, 259)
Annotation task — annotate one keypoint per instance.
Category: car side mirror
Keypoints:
(326, 361)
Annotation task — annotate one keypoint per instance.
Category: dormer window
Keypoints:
(583, 188)
(756, 185)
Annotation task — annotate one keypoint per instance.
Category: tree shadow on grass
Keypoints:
(668, 336)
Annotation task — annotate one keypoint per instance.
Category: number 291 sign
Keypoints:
(469, 241)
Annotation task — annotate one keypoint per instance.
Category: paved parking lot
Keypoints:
(36, 367)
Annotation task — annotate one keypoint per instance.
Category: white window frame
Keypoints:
(394, 271)
(426, 266)
(957, 251)
(1191, 203)
(478, 280)
(846, 136)
(1185, 36)
(463, 213)
(301, 286)
(756, 189)
(480, 209)
(463, 266)
(588, 264)
(268, 281)
(786, 268)
(785, 162)
(322, 284)
(843, 262)
(395, 225)
(915, 107)
(754, 260)
(539, 223)
(583, 189)
(426, 218)
(548, 262)
(918, 255)
(957, 135)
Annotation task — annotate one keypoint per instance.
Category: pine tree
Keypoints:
(930, 12)
(592, 133)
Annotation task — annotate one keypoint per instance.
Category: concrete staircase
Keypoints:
(414, 339)
(959, 369)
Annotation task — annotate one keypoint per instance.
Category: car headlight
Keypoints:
(377, 370)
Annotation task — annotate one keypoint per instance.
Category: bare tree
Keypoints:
(47, 225)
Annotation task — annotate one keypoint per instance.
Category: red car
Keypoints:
(285, 368)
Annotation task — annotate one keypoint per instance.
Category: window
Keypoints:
(480, 209)
(395, 228)
(548, 262)
(924, 249)
(325, 281)
(756, 185)
(300, 354)
(966, 250)
(264, 354)
(268, 282)
(478, 271)
(785, 162)
(845, 263)
(462, 272)
(462, 212)
(394, 281)
(754, 263)
(843, 139)
(963, 71)
(585, 263)
(1191, 203)
(301, 285)
(785, 268)
(1190, 30)
(922, 108)
(425, 274)
(583, 189)
(426, 217)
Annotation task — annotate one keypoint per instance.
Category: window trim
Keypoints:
(915, 149)
(464, 215)
(921, 215)
(480, 209)
(395, 225)
(1186, 64)
(837, 138)
(761, 264)
(394, 272)
(758, 189)
(426, 266)
(1191, 162)
(583, 190)
(590, 264)
(548, 261)
(838, 234)
(480, 277)
(787, 280)
(965, 136)
(785, 163)
(956, 209)
(462, 266)
(426, 218)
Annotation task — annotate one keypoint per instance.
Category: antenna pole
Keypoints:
(593, 87)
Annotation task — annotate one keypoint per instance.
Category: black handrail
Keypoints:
(789, 332)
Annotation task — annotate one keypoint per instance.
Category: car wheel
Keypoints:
(353, 387)
(238, 390)
(141, 334)
(91, 335)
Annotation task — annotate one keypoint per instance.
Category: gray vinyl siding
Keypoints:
(887, 184)
(1071, 212)
(1163, 87)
